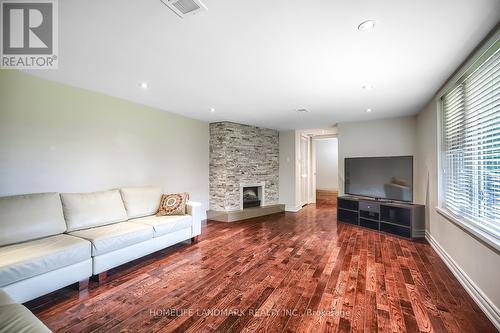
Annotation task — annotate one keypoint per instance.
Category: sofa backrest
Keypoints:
(30, 216)
(141, 201)
(87, 210)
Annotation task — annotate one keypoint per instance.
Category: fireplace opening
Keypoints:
(251, 197)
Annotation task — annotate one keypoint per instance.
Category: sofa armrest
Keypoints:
(194, 209)
(5, 298)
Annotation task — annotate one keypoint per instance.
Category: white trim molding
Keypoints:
(292, 208)
(489, 309)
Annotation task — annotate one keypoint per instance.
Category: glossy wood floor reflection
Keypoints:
(288, 272)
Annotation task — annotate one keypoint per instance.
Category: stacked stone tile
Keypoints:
(242, 154)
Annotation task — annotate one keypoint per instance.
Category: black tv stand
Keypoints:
(396, 218)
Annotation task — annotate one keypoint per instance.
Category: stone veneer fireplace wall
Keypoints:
(242, 154)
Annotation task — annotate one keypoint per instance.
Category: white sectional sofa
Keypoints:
(17, 318)
(36, 256)
(50, 240)
(121, 224)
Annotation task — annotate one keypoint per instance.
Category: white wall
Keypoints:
(326, 164)
(476, 263)
(385, 137)
(479, 262)
(58, 138)
(288, 170)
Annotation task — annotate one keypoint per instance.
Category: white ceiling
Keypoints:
(257, 61)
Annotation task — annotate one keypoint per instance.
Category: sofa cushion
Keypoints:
(30, 216)
(88, 210)
(141, 201)
(116, 236)
(163, 225)
(25, 260)
(17, 318)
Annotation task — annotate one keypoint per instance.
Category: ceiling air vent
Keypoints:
(185, 7)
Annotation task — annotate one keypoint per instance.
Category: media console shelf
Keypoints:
(400, 219)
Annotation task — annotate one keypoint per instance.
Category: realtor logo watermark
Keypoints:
(29, 38)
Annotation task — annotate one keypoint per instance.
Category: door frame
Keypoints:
(314, 140)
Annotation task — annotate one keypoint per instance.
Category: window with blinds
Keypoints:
(471, 147)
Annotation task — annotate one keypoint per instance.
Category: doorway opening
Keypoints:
(326, 170)
(318, 166)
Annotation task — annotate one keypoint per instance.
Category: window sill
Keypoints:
(482, 235)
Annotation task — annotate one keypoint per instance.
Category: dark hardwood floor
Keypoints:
(286, 272)
(326, 197)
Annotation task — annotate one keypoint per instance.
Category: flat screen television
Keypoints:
(389, 178)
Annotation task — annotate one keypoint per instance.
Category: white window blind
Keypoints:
(471, 147)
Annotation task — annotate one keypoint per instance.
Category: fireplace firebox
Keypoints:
(251, 197)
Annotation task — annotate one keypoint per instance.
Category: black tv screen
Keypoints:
(380, 177)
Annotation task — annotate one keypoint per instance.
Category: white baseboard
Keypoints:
(489, 309)
(293, 209)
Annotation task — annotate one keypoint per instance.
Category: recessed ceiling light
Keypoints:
(369, 110)
(303, 110)
(367, 86)
(143, 85)
(366, 25)
(212, 110)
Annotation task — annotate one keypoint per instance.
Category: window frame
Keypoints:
(475, 229)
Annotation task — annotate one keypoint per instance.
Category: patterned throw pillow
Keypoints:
(173, 204)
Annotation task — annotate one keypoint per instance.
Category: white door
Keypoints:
(304, 170)
(312, 171)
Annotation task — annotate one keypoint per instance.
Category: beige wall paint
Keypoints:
(477, 260)
(385, 137)
(54, 137)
